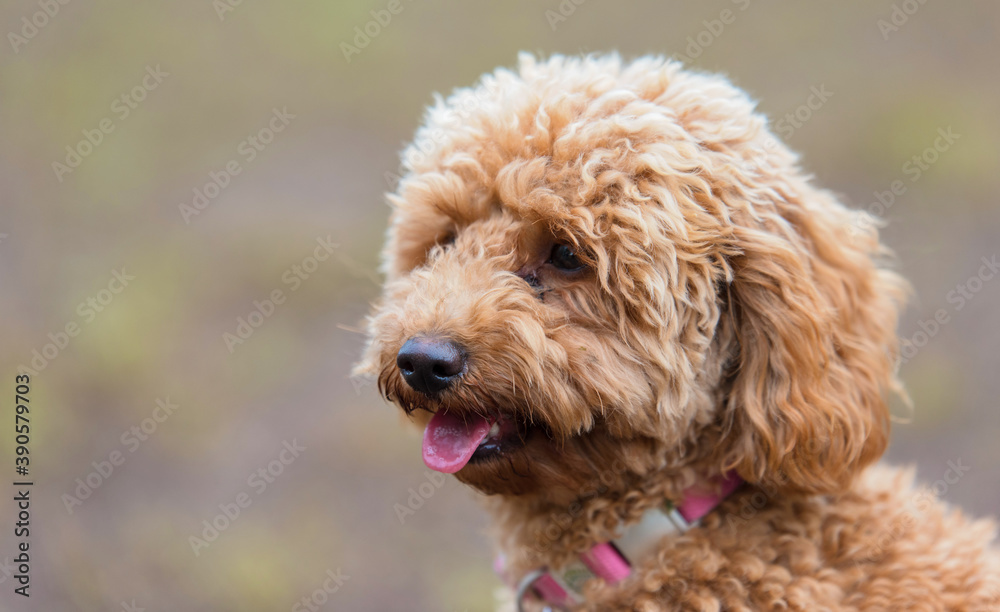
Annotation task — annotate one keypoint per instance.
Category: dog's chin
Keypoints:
(508, 466)
(556, 470)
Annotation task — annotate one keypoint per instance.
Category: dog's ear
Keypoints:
(811, 319)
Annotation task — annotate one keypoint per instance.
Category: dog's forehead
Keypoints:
(540, 179)
(555, 137)
(582, 150)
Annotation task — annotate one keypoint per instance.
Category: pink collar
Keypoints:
(613, 561)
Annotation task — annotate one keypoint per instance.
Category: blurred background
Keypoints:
(168, 166)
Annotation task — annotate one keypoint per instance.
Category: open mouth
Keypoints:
(453, 441)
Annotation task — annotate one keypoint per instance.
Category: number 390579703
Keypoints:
(21, 425)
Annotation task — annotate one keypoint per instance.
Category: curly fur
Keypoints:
(732, 316)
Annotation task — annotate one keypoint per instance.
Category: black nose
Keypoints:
(430, 365)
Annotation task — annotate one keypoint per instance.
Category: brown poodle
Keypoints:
(621, 310)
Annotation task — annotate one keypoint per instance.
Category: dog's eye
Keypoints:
(563, 258)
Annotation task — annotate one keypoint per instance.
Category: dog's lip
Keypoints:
(506, 435)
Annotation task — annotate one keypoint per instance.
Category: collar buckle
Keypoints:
(524, 588)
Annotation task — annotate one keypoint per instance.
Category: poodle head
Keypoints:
(594, 265)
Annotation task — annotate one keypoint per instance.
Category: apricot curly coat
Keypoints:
(732, 316)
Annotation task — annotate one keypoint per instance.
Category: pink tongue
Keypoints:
(449, 441)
